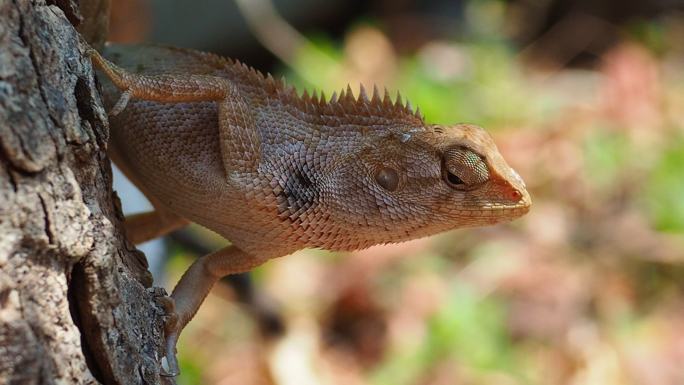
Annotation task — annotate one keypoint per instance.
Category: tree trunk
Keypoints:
(75, 300)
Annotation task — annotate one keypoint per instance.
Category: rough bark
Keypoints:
(75, 302)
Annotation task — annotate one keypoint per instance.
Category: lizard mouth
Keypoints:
(497, 211)
(513, 211)
(507, 212)
(517, 209)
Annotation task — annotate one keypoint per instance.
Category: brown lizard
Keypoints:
(212, 141)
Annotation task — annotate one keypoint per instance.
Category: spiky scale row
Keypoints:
(340, 104)
(345, 102)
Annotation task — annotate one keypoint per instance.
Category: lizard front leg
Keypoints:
(194, 286)
(236, 127)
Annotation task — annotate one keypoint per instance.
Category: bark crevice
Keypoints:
(46, 221)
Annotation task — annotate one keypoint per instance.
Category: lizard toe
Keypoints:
(169, 367)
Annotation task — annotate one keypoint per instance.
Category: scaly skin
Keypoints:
(212, 141)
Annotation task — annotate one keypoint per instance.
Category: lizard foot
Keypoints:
(171, 333)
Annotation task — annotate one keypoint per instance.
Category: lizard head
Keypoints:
(408, 182)
(481, 187)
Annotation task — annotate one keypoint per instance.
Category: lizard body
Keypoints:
(212, 141)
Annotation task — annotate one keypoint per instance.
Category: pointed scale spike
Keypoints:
(323, 99)
(338, 108)
(333, 98)
(314, 96)
(270, 83)
(291, 91)
(409, 107)
(311, 105)
(340, 100)
(399, 102)
(376, 95)
(363, 97)
(305, 96)
(349, 96)
(387, 100)
(418, 114)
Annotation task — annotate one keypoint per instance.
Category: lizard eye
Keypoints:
(462, 168)
(387, 178)
(453, 179)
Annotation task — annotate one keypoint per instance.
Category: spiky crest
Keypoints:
(344, 104)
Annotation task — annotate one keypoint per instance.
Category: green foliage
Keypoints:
(470, 97)
(650, 34)
(665, 188)
(468, 331)
(191, 369)
(607, 153)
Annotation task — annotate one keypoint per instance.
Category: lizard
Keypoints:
(212, 141)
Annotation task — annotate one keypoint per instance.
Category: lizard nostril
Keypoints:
(516, 195)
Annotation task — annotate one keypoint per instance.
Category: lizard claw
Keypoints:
(172, 369)
(171, 332)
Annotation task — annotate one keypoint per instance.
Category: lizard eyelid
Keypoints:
(463, 169)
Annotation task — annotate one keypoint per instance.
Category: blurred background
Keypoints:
(585, 100)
